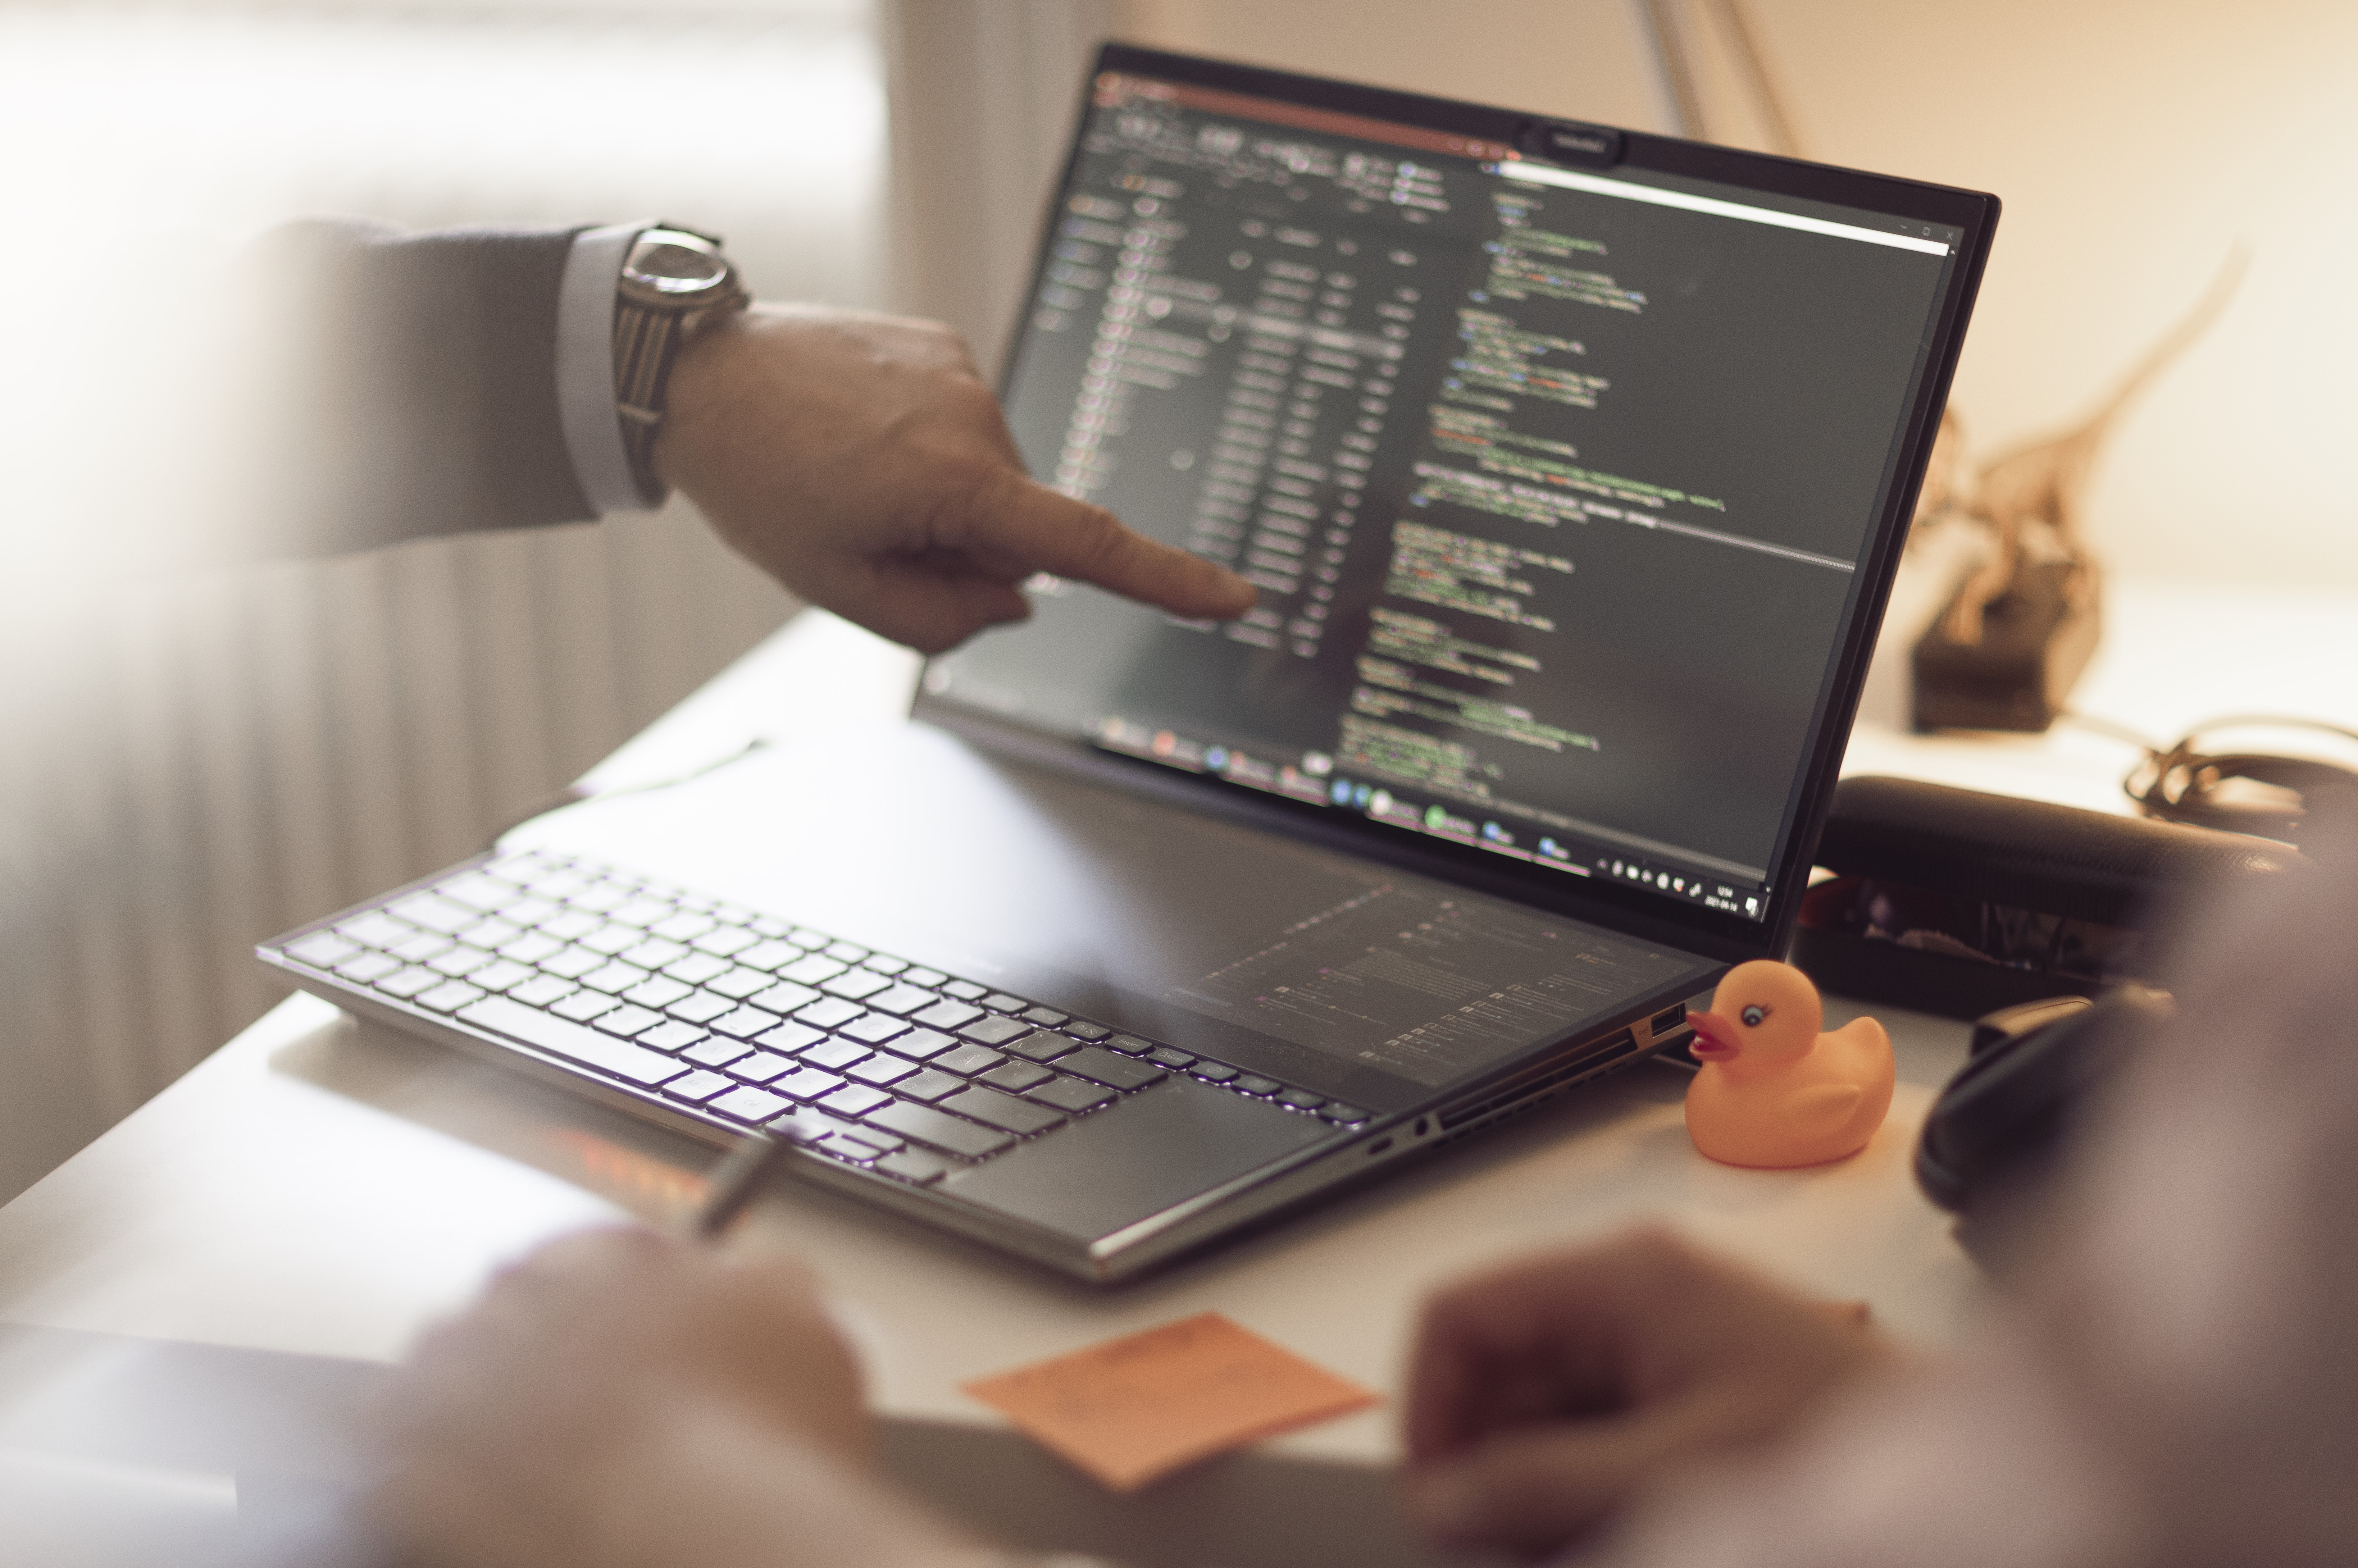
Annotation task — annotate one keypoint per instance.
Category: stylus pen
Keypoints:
(736, 1180)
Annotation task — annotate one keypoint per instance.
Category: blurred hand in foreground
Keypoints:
(1546, 1393)
(861, 460)
(620, 1399)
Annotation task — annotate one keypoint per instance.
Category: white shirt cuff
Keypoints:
(585, 367)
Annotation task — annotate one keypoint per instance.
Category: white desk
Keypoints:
(319, 1188)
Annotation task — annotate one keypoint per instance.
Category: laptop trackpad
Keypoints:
(1158, 1148)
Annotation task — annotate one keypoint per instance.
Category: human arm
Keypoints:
(620, 1399)
(1544, 1395)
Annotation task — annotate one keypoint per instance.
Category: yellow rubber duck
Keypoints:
(1774, 1091)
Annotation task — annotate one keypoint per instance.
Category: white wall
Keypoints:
(2134, 142)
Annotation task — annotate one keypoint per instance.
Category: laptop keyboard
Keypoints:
(752, 1020)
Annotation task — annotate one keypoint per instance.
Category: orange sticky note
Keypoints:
(1135, 1408)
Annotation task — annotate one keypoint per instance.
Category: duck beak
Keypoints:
(1715, 1038)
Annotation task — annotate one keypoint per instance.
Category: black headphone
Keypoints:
(2243, 792)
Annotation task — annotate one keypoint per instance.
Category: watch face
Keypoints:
(674, 264)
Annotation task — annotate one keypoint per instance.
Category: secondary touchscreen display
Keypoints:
(1555, 483)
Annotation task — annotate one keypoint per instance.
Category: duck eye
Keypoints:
(1753, 1015)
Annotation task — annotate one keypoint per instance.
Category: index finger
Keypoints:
(1516, 1345)
(1029, 527)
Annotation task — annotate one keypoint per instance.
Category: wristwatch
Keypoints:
(675, 284)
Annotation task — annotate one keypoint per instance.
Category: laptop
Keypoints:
(1572, 464)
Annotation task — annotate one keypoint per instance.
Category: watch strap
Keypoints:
(647, 340)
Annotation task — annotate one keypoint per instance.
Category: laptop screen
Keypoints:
(1556, 482)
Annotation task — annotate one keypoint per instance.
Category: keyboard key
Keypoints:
(321, 950)
(528, 911)
(846, 952)
(967, 1060)
(882, 1068)
(558, 884)
(929, 1085)
(965, 990)
(1114, 1072)
(499, 975)
(628, 1021)
(875, 1029)
(407, 983)
(1129, 1044)
(1015, 1076)
(654, 953)
(1301, 1099)
(751, 1106)
(717, 1051)
(658, 992)
(995, 1031)
(762, 1066)
(1045, 1017)
(790, 1038)
(490, 934)
(418, 948)
(1038, 1046)
(745, 1022)
(810, 970)
(531, 947)
(901, 1001)
(768, 956)
(434, 913)
(1092, 1032)
(643, 912)
(730, 915)
(726, 942)
(739, 983)
(883, 965)
(762, 923)
(571, 964)
(836, 1053)
(1347, 1115)
(375, 929)
(807, 1127)
(783, 997)
(1168, 1057)
(600, 897)
(583, 1006)
(448, 997)
(1252, 1085)
(947, 1015)
(807, 1084)
(928, 1125)
(916, 1165)
(701, 1007)
(844, 1146)
(615, 978)
(573, 922)
(371, 966)
(671, 1036)
(857, 985)
(925, 1044)
(999, 1001)
(608, 939)
(698, 967)
(682, 927)
(1000, 1111)
(502, 1016)
(803, 936)
(1073, 1096)
(830, 1013)
(1214, 1073)
(698, 1087)
(857, 1100)
(477, 890)
(923, 977)
(542, 990)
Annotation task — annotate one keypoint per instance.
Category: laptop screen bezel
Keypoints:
(1698, 929)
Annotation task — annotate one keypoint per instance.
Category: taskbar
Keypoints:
(1313, 778)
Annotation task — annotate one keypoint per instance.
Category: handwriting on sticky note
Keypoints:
(1133, 1410)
